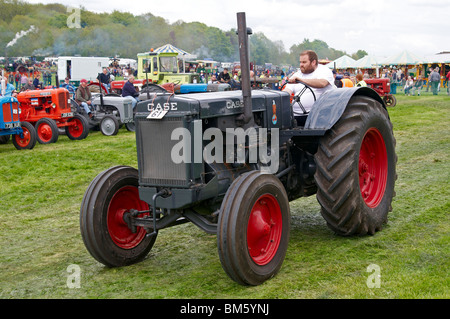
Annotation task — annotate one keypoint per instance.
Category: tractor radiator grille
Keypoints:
(63, 98)
(127, 110)
(156, 167)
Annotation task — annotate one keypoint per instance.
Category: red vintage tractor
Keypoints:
(383, 88)
(49, 110)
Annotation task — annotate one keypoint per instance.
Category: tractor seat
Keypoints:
(301, 119)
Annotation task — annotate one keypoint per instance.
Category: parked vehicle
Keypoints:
(383, 88)
(23, 134)
(49, 110)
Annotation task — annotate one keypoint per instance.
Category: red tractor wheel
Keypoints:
(47, 131)
(253, 228)
(26, 140)
(355, 172)
(105, 233)
(78, 128)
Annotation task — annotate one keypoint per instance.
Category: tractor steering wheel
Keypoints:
(298, 96)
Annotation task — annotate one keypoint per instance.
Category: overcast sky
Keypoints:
(380, 27)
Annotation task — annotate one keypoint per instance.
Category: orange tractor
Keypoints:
(50, 110)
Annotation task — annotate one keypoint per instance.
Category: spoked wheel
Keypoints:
(356, 172)
(105, 233)
(78, 128)
(253, 228)
(47, 131)
(28, 138)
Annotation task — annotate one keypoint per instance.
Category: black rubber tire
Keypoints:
(28, 139)
(109, 125)
(81, 131)
(95, 214)
(233, 228)
(338, 171)
(4, 139)
(43, 136)
(390, 100)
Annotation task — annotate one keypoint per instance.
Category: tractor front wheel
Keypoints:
(47, 131)
(78, 128)
(104, 230)
(253, 228)
(355, 173)
(28, 138)
(109, 125)
(390, 100)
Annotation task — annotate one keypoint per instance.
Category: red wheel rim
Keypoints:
(23, 142)
(124, 199)
(264, 229)
(373, 168)
(45, 132)
(76, 128)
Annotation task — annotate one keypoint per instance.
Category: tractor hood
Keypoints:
(210, 104)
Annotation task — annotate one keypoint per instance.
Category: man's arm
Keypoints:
(315, 83)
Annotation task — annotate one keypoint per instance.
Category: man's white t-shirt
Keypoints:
(307, 99)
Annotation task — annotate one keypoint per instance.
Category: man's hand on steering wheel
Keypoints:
(297, 97)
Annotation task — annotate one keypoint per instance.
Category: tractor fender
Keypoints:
(330, 106)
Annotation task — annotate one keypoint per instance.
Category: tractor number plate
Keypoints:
(12, 125)
(67, 114)
(157, 114)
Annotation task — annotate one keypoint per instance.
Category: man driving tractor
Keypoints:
(317, 76)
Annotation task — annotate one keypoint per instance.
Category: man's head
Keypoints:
(308, 61)
(131, 78)
(83, 83)
(105, 70)
(225, 71)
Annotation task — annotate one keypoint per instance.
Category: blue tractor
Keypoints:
(24, 134)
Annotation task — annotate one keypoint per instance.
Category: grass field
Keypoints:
(41, 191)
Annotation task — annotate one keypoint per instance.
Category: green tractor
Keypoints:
(163, 67)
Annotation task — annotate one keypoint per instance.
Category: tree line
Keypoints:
(124, 34)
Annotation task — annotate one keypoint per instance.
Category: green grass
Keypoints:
(41, 191)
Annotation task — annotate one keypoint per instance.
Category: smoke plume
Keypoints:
(20, 35)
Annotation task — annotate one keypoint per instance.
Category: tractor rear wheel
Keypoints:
(355, 172)
(26, 140)
(253, 228)
(79, 130)
(47, 131)
(105, 233)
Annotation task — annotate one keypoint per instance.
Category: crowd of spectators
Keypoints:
(36, 75)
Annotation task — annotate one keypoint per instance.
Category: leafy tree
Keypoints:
(359, 54)
(124, 34)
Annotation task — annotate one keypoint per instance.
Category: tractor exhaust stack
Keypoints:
(243, 33)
